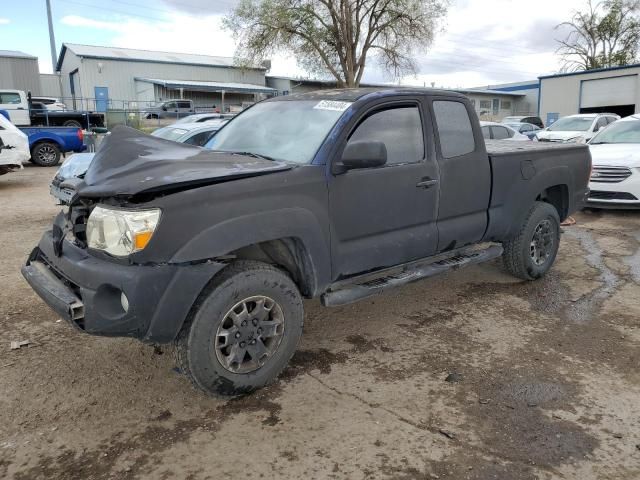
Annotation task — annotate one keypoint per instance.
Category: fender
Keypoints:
(222, 238)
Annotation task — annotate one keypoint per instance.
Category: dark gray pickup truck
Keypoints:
(336, 194)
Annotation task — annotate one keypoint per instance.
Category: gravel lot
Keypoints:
(546, 384)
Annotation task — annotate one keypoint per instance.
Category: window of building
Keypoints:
(401, 131)
(506, 104)
(454, 128)
(485, 104)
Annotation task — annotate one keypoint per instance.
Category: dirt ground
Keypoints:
(545, 384)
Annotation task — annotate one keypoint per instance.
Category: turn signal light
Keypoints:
(141, 239)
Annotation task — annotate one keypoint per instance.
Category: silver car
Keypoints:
(170, 109)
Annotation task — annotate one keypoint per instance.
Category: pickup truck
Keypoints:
(45, 145)
(337, 194)
(23, 112)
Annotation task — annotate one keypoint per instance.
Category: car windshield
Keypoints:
(169, 133)
(291, 131)
(619, 132)
(572, 124)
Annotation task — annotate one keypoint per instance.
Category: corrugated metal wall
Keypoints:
(118, 76)
(20, 74)
(50, 85)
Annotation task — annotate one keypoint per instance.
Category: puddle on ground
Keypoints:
(633, 261)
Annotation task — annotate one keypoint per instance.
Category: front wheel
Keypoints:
(531, 253)
(242, 331)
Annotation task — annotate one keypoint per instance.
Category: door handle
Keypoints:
(427, 183)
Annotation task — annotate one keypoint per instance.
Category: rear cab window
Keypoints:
(454, 128)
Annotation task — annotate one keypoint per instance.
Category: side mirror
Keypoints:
(1, 144)
(364, 154)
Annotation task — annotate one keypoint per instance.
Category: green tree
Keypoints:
(337, 37)
(605, 34)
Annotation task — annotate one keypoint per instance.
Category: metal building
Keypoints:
(614, 90)
(100, 78)
(19, 71)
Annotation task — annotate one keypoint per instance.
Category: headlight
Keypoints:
(121, 232)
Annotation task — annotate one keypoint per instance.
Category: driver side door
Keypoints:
(386, 215)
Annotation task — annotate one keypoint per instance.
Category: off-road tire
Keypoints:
(72, 123)
(46, 154)
(195, 352)
(517, 256)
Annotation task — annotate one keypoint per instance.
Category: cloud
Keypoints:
(202, 7)
(4, 21)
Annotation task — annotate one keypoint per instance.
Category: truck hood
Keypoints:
(616, 154)
(561, 136)
(130, 162)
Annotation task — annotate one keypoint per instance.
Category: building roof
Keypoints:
(208, 86)
(135, 55)
(16, 54)
(481, 91)
(587, 72)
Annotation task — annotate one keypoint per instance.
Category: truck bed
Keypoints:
(496, 148)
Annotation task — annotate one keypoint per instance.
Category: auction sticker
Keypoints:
(334, 105)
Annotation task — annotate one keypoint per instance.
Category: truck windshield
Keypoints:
(572, 124)
(290, 130)
(619, 132)
(169, 133)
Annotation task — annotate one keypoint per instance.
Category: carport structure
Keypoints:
(201, 91)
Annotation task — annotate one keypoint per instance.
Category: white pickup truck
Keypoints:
(14, 147)
(24, 113)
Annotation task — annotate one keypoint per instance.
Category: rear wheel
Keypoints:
(72, 123)
(531, 253)
(243, 330)
(45, 154)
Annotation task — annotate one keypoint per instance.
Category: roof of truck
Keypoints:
(353, 94)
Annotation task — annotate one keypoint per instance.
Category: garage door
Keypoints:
(605, 92)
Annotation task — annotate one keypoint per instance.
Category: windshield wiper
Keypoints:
(254, 155)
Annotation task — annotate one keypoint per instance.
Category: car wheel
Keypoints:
(531, 253)
(72, 123)
(242, 331)
(45, 154)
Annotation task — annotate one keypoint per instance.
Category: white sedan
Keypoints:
(500, 131)
(615, 153)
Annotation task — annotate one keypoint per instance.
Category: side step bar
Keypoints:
(360, 288)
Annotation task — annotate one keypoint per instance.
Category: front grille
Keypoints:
(609, 174)
(600, 195)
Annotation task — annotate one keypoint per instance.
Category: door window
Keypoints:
(400, 129)
(525, 128)
(454, 128)
(170, 105)
(601, 123)
(9, 98)
(184, 105)
(486, 133)
(500, 133)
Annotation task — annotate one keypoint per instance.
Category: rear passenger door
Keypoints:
(465, 174)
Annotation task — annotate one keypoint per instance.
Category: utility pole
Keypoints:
(52, 38)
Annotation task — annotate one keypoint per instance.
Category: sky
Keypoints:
(481, 42)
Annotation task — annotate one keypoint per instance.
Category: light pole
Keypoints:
(52, 38)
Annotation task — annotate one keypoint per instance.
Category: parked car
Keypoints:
(615, 179)
(537, 121)
(204, 117)
(22, 113)
(170, 109)
(192, 133)
(576, 128)
(328, 194)
(14, 146)
(499, 131)
(68, 175)
(528, 129)
(50, 103)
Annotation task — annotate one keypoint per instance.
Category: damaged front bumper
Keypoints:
(102, 297)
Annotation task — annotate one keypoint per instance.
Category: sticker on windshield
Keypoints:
(334, 105)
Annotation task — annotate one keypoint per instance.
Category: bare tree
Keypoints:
(335, 37)
(606, 34)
